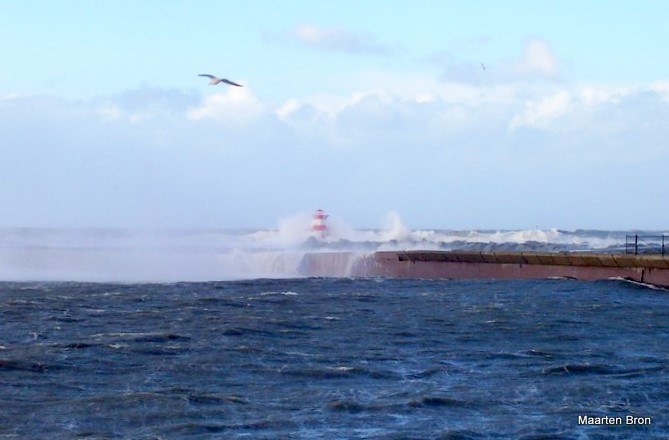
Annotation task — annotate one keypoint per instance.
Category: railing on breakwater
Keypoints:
(646, 244)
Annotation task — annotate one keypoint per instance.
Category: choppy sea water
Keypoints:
(333, 358)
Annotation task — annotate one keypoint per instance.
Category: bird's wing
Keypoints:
(207, 75)
(227, 81)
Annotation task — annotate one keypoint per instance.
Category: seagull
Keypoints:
(483, 66)
(214, 80)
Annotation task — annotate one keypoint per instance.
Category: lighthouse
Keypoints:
(318, 226)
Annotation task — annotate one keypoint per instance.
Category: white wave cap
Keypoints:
(207, 255)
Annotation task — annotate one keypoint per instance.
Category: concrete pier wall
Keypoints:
(496, 265)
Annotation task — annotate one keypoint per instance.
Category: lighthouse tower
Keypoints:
(318, 226)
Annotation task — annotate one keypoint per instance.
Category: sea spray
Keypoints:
(334, 264)
(128, 255)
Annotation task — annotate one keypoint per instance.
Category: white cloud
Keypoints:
(235, 105)
(109, 112)
(425, 98)
(592, 95)
(538, 60)
(542, 112)
(144, 104)
(232, 159)
(336, 39)
(661, 87)
(288, 108)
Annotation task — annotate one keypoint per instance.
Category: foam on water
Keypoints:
(205, 255)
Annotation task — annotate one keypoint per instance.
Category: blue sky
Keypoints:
(360, 108)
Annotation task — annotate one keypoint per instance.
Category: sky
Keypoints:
(453, 114)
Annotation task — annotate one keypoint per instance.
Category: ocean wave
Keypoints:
(440, 401)
(121, 255)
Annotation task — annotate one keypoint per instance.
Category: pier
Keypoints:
(643, 268)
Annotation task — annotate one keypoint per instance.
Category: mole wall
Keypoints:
(652, 269)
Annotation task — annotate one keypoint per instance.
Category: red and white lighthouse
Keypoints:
(318, 225)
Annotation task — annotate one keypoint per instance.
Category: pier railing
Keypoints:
(647, 244)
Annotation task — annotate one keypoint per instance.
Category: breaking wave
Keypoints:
(205, 255)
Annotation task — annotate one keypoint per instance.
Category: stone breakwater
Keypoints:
(651, 269)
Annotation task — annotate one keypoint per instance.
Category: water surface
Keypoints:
(332, 358)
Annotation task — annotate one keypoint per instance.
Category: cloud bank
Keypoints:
(442, 153)
(537, 62)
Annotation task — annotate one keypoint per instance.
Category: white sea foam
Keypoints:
(203, 255)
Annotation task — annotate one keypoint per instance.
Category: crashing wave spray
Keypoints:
(206, 255)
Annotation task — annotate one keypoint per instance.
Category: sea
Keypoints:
(199, 334)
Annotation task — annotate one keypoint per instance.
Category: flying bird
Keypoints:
(483, 66)
(214, 80)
